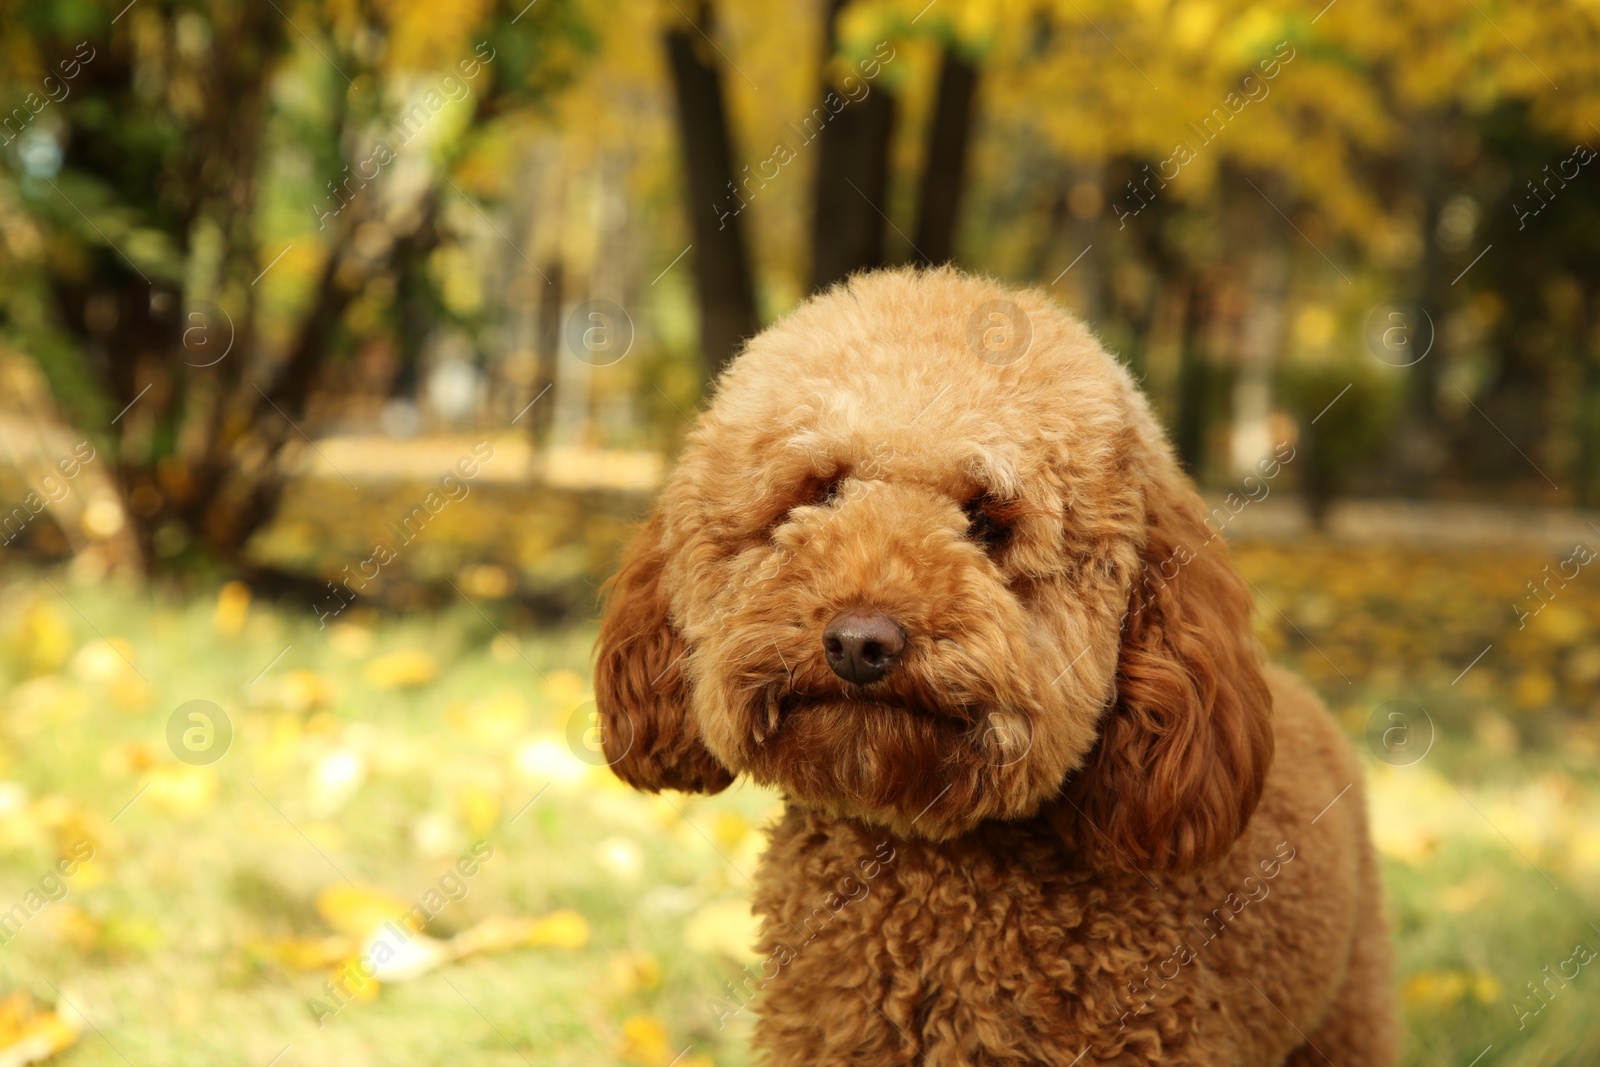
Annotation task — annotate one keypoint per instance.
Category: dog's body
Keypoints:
(929, 567)
(997, 948)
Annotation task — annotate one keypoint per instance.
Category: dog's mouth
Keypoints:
(779, 704)
(934, 767)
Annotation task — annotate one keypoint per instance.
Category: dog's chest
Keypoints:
(987, 951)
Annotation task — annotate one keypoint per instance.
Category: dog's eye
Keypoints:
(822, 492)
(815, 492)
(984, 528)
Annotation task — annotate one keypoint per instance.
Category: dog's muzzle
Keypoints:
(862, 645)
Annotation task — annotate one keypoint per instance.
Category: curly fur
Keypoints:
(1078, 777)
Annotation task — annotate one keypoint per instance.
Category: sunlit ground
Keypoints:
(371, 757)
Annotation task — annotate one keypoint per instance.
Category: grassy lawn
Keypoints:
(372, 758)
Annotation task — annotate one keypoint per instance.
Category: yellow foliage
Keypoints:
(181, 791)
(29, 1033)
(644, 1041)
(560, 929)
(127, 757)
(45, 702)
(1560, 623)
(427, 35)
(729, 829)
(358, 910)
(302, 690)
(408, 668)
(565, 688)
(360, 992)
(130, 694)
(635, 972)
(308, 953)
(74, 926)
(723, 926)
(490, 720)
(103, 660)
(1193, 23)
(498, 933)
(348, 639)
(1445, 988)
(41, 639)
(1533, 690)
(485, 580)
(233, 604)
(479, 807)
(284, 740)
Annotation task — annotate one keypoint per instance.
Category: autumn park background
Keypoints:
(342, 343)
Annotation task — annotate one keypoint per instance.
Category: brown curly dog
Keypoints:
(928, 566)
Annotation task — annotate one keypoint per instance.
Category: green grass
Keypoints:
(170, 938)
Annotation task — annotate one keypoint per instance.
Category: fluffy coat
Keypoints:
(1079, 821)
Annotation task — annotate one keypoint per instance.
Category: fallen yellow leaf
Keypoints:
(358, 910)
(233, 604)
(1434, 989)
(499, 933)
(348, 639)
(302, 690)
(181, 790)
(42, 638)
(644, 1041)
(479, 807)
(103, 661)
(560, 929)
(308, 953)
(635, 972)
(495, 719)
(409, 668)
(42, 1037)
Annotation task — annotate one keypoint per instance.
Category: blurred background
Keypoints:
(342, 343)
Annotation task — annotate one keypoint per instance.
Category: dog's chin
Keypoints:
(922, 771)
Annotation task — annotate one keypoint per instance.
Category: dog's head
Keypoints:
(927, 561)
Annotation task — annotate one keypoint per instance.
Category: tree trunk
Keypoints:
(1194, 385)
(1587, 493)
(943, 173)
(552, 299)
(1421, 439)
(721, 263)
(849, 212)
(1260, 338)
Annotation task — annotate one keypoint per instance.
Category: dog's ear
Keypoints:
(1185, 746)
(647, 730)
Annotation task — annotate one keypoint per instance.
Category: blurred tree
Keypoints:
(722, 265)
(1195, 176)
(217, 197)
(944, 171)
(850, 125)
(853, 125)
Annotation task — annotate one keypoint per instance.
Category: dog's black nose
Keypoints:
(862, 645)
